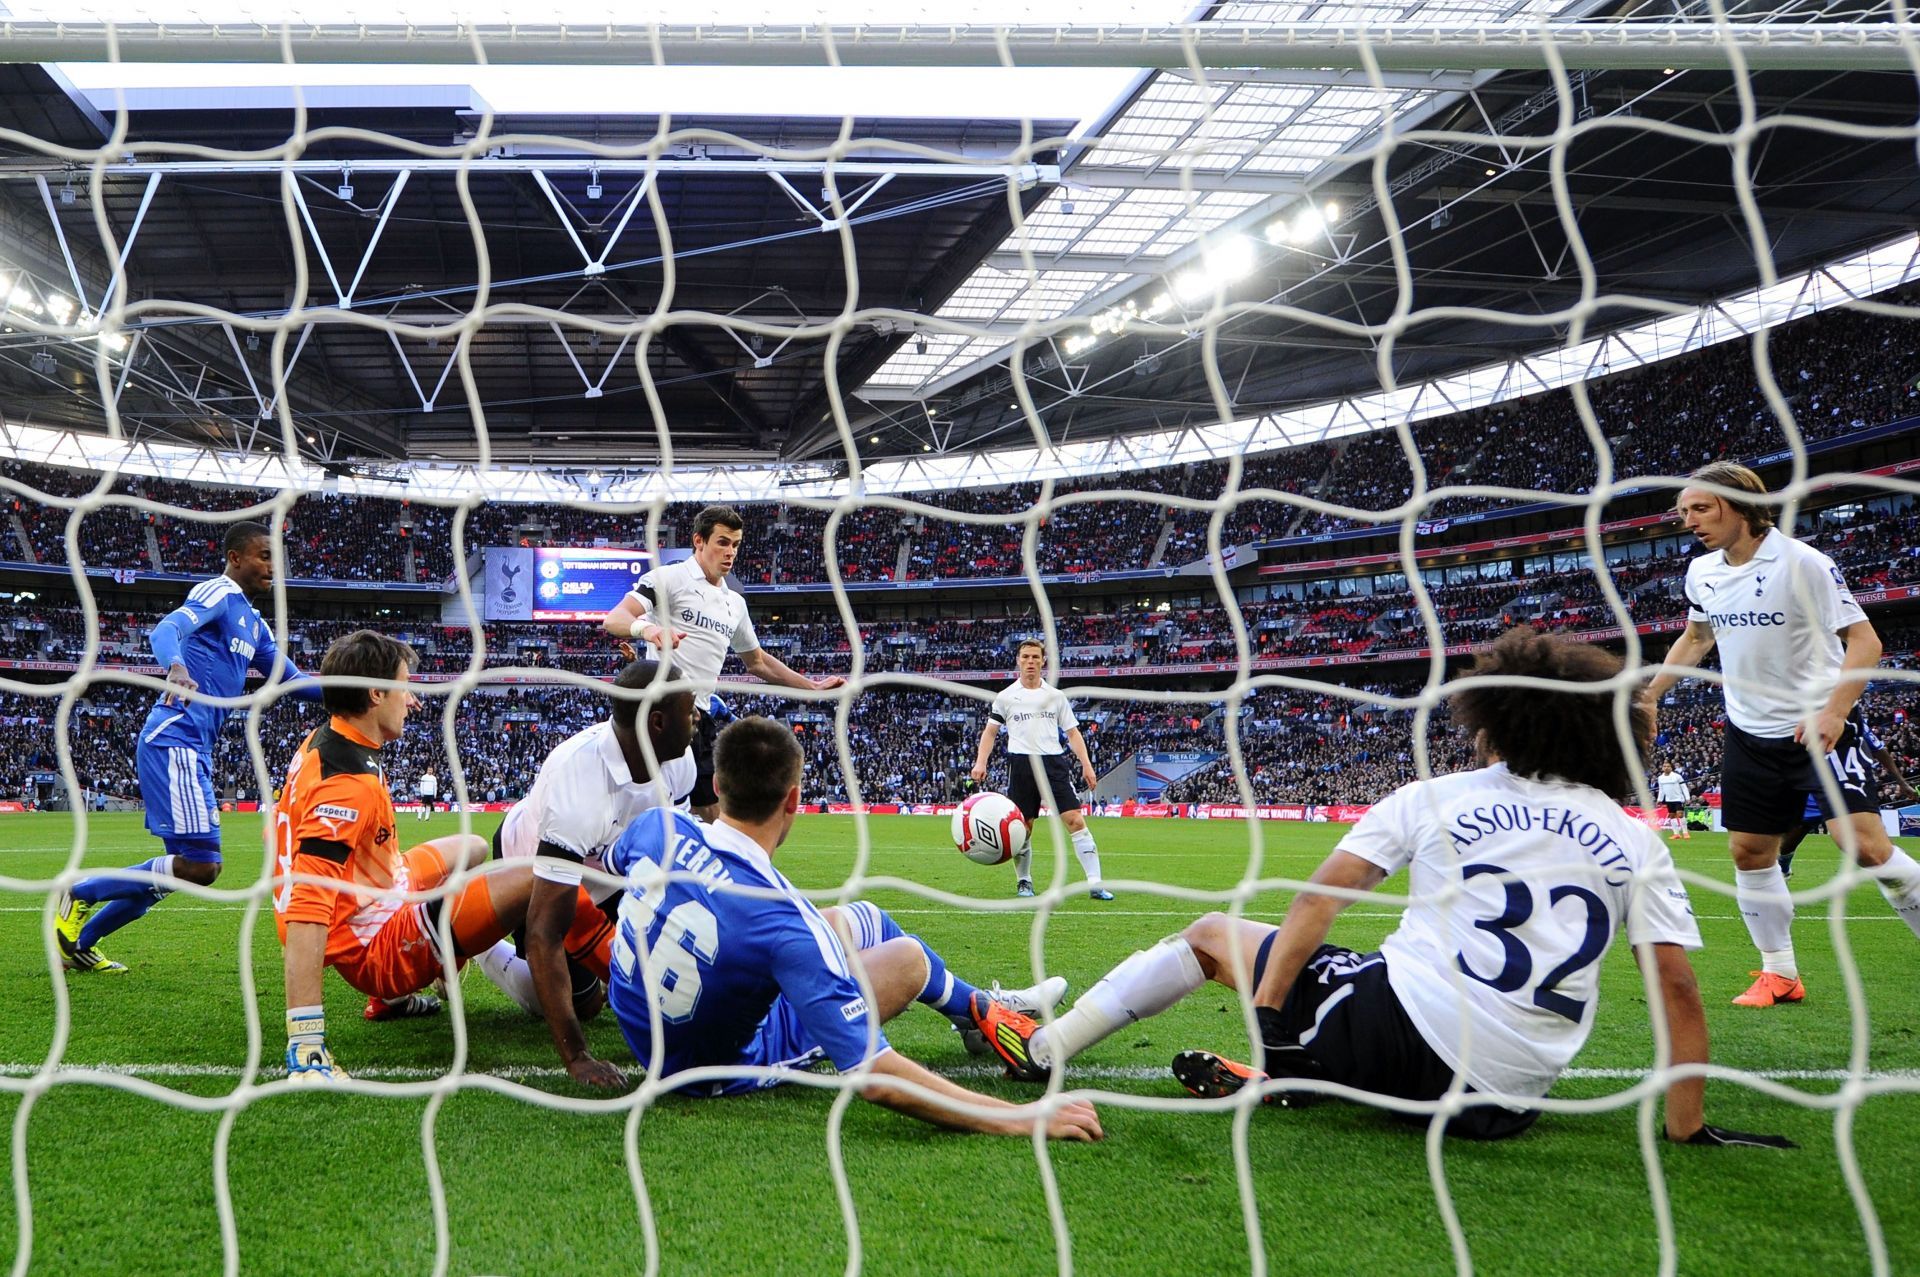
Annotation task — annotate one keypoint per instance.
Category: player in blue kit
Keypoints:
(723, 971)
(207, 644)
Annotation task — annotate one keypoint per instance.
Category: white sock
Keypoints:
(1089, 855)
(1768, 910)
(1900, 883)
(1023, 865)
(1145, 984)
(511, 975)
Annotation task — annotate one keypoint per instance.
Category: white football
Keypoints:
(989, 830)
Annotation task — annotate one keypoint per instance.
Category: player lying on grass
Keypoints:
(335, 823)
(586, 793)
(1497, 982)
(721, 964)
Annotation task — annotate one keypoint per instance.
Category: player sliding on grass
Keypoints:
(335, 822)
(589, 789)
(1496, 984)
(720, 964)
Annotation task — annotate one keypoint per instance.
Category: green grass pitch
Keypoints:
(324, 1183)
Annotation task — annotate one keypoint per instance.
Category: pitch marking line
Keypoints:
(1095, 915)
(1101, 1073)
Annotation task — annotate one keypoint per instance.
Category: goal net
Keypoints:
(1326, 347)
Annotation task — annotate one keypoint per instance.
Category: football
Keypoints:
(989, 830)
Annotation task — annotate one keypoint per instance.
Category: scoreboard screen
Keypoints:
(579, 584)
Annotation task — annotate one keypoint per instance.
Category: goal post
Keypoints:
(1006, 332)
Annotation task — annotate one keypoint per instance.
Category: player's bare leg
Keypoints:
(1895, 872)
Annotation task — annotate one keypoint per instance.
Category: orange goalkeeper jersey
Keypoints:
(335, 820)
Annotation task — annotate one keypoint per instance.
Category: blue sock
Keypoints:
(111, 886)
(945, 992)
(117, 913)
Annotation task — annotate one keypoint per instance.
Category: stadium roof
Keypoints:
(1247, 196)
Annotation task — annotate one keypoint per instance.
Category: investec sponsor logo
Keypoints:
(1745, 620)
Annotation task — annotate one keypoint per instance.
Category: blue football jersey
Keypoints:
(721, 958)
(218, 635)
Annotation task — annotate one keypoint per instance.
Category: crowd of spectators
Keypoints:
(906, 745)
(1840, 372)
(1876, 545)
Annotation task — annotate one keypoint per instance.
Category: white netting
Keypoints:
(1039, 305)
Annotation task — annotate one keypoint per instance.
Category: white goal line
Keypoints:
(967, 1072)
(1079, 915)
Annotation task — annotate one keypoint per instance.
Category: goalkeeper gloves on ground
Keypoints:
(308, 1059)
(1720, 1136)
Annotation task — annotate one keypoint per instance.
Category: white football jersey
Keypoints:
(1035, 719)
(429, 784)
(1501, 979)
(581, 801)
(1776, 621)
(1671, 787)
(713, 618)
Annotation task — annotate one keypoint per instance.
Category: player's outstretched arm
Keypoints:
(768, 668)
(1075, 1120)
(269, 661)
(632, 619)
(1305, 927)
(1689, 649)
(549, 914)
(1687, 1027)
(1891, 766)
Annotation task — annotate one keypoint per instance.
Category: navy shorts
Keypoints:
(1343, 1023)
(1025, 790)
(1767, 785)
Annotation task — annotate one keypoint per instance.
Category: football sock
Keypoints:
(1768, 910)
(111, 886)
(1089, 855)
(115, 914)
(945, 992)
(511, 975)
(1023, 865)
(1145, 984)
(120, 900)
(1899, 880)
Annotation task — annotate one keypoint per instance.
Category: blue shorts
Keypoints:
(781, 1042)
(176, 784)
